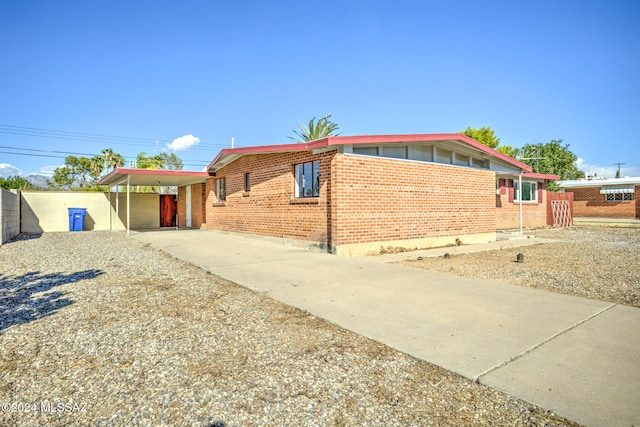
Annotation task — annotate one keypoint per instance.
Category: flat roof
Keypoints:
(599, 182)
(228, 155)
(153, 177)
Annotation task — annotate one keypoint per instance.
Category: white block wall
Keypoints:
(9, 214)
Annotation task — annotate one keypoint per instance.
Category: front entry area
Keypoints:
(168, 210)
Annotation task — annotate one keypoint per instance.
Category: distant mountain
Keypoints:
(37, 179)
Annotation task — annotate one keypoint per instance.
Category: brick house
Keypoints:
(354, 195)
(605, 198)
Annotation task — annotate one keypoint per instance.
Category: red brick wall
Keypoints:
(269, 208)
(197, 205)
(508, 213)
(588, 202)
(362, 199)
(198, 193)
(182, 207)
(377, 199)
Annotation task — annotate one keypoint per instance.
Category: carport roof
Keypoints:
(153, 177)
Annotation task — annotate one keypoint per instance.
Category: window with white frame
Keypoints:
(619, 197)
(221, 189)
(307, 179)
(529, 191)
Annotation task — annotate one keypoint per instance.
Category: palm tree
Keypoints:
(111, 159)
(313, 130)
(106, 161)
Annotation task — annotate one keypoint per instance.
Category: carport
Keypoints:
(146, 177)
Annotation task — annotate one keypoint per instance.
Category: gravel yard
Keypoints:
(97, 329)
(593, 262)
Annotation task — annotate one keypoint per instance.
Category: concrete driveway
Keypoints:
(577, 357)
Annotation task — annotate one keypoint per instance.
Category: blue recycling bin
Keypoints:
(76, 219)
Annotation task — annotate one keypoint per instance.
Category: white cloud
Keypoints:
(7, 170)
(183, 143)
(48, 170)
(607, 171)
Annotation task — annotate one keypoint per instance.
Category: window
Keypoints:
(619, 197)
(529, 191)
(395, 152)
(443, 156)
(221, 190)
(247, 182)
(307, 179)
(478, 163)
(462, 160)
(423, 153)
(365, 151)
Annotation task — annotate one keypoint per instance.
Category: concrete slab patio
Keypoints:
(577, 357)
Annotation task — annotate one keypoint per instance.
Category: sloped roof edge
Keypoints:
(366, 139)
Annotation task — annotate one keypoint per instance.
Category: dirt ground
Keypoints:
(98, 329)
(593, 262)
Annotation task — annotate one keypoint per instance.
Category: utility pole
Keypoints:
(618, 171)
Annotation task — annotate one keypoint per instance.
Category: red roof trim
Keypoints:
(368, 139)
(162, 172)
(534, 175)
(258, 149)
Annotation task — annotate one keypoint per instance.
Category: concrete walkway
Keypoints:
(577, 357)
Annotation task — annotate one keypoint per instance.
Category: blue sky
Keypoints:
(152, 72)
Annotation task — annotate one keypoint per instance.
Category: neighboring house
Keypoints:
(606, 198)
(355, 195)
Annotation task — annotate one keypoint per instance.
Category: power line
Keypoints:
(194, 163)
(92, 137)
(71, 152)
(83, 134)
(45, 151)
(33, 155)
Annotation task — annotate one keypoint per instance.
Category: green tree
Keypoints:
(171, 161)
(83, 173)
(78, 173)
(551, 158)
(484, 135)
(149, 162)
(510, 151)
(315, 130)
(159, 161)
(16, 183)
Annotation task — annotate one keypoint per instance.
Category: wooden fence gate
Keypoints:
(559, 209)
